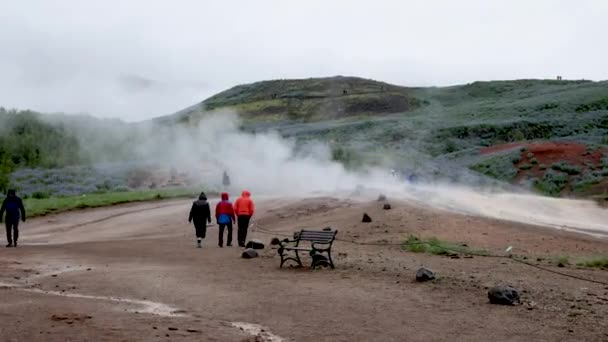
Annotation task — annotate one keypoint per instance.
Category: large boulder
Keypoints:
(503, 295)
(249, 254)
(366, 218)
(425, 274)
(255, 244)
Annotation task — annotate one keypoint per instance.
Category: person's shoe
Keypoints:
(9, 245)
(221, 246)
(15, 244)
(229, 245)
(198, 245)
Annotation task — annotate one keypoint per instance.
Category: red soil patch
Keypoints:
(549, 153)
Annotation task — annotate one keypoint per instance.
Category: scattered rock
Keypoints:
(561, 265)
(387, 206)
(193, 331)
(249, 254)
(173, 329)
(366, 218)
(255, 244)
(425, 274)
(88, 269)
(381, 198)
(503, 295)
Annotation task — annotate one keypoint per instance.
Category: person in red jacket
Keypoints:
(244, 209)
(224, 215)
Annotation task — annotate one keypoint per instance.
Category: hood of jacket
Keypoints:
(225, 196)
(246, 193)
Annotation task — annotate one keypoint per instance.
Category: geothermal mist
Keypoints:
(270, 165)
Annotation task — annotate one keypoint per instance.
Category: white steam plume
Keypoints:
(270, 165)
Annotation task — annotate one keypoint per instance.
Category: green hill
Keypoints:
(312, 99)
(548, 135)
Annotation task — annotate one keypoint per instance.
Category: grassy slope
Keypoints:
(311, 99)
(38, 207)
(438, 126)
(433, 131)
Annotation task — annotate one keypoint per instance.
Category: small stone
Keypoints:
(249, 254)
(366, 218)
(503, 295)
(255, 244)
(387, 206)
(173, 329)
(424, 274)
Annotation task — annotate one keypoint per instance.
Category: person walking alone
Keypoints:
(224, 215)
(13, 206)
(244, 209)
(200, 214)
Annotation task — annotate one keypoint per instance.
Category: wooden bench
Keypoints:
(320, 246)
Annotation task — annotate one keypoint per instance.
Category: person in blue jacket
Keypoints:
(13, 206)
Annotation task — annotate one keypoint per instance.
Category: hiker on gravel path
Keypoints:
(13, 206)
(244, 209)
(200, 214)
(224, 215)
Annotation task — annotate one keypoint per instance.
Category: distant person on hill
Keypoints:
(200, 214)
(224, 215)
(225, 180)
(244, 209)
(13, 206)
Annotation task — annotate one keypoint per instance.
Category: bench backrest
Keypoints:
(316, 235)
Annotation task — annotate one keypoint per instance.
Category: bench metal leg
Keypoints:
(284, 259)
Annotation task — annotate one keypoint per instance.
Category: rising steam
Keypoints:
(270, 165)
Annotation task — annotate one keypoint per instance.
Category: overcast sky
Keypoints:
(136, 59)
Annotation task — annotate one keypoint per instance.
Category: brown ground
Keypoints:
(146, 252)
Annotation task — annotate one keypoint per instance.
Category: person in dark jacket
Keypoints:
(13, 206)
(224, 215)
(200, 214)
(226, 180)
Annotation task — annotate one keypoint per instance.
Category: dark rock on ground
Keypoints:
(249, 254)
(387, 206)
(255, 244)
(425, 274)
(366, 218)
(503, 295)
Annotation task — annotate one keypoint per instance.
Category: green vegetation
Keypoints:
(43, 205)
(596, 262)
(499, 167)
(435, 246)
(27, 141)
(552, 183)
(566, 168)
(439, 130)
(563, 260)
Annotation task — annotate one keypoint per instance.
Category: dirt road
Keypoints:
(132, 273)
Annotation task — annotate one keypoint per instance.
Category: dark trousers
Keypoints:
(12, 231)
(243, 222)
(229, 240)
(201, 230)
